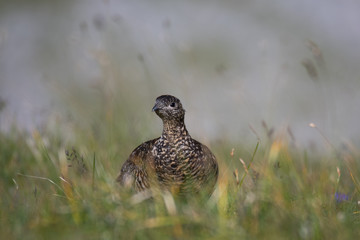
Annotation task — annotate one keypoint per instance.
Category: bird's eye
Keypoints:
(173, 104)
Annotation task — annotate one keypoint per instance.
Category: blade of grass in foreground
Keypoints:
(41, 178)
(93, 174)
(249, 165)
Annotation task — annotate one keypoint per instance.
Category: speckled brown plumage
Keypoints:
(174, 161)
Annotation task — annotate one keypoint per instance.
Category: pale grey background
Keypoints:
(232, 63)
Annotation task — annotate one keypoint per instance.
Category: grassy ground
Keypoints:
(282, 193)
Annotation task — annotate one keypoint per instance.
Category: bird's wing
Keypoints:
(207, 158)
(210, 167)
(134, 172)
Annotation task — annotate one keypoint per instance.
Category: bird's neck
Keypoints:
(174, 130)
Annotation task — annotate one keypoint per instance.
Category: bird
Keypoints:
(173, 162)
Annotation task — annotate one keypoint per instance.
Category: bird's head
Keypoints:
(169, 108)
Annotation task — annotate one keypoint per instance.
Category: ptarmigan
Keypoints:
(174, 161)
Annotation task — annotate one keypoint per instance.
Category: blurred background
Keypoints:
(240, 68)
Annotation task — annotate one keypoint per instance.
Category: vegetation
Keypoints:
(52, 191)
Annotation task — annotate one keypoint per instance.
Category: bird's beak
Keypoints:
(156, 107)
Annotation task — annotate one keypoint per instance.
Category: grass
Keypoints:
(58, 182)
(276, 191)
